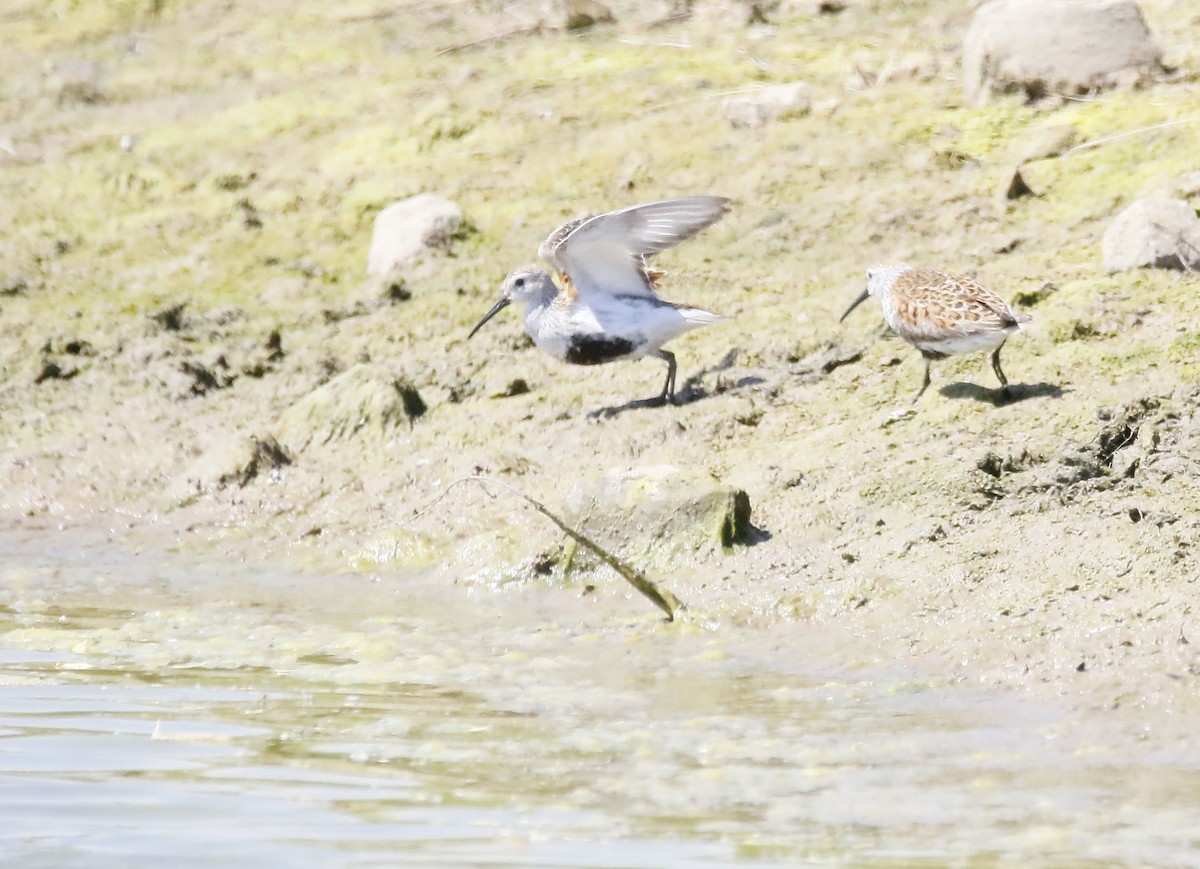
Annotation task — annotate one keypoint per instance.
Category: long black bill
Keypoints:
(853, 305)
(496, 309)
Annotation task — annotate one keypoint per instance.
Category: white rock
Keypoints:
(1056, 46)
(406, 228)
(1153, 233)
(770, 104)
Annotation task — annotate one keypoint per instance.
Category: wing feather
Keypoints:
(933, 305)
(607, 253)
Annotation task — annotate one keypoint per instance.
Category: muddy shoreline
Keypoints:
(187, 271)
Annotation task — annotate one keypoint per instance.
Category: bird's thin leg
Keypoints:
(924, 385)
(996, 366)
(668, 391)
(1000, 373)
(667, 394)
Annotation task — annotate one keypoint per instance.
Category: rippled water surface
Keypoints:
(155, 708)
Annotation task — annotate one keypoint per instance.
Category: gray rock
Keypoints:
(1041, 47)
(731, 13)
(233, 460)
(1186, 186)
(574, 14)
(1153, 233)
(1015, 187)
(770, 104)
(407, 228)
(913, 66)
(361, 399)
(653, 514)
(1041, 143)
(13, 285)
(76, 81)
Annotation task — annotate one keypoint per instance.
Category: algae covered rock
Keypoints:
(407, 228)
(772, 103)
(76, 81)
(1042, 143)
(660, 511)
(1185, 186)
(1153, 233)
(360, 400)
(1041, 47)
(231, 460)
(575, 14)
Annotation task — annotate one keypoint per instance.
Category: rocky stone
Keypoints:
(206, 375)
(575, 14)
(171, 318)
(359, 400)
(1186, 186)
(76, 82)
(655, 513)
(826, 358)
(232, 460)
(739, 13)
(13, 285)
(770, 104)
(1101, 461)
(916, 66)
(407, 228)
(1033, 298)
(1042, 143)
(1153, 233)
(1041, 47)
(395, 547)
(53, 370)
(517, 386)
(1015, 187)
(732, 13)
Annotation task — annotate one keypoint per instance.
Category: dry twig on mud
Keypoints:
(1105, 139)
(490, 39)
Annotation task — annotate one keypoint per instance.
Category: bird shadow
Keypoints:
(753, 535)
(999, 397)
(617, 410)
(693, 390)
(687, 395)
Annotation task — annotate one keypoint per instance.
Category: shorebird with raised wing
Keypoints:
(605, 307)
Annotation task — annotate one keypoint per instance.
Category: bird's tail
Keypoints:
(698, 316)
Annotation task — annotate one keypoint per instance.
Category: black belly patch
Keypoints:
(595, 349)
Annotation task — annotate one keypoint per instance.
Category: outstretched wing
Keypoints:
(607, 253)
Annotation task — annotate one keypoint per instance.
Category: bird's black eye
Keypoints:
(519, 282)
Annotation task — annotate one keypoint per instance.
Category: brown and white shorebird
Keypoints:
(942, 314)
(606, 307)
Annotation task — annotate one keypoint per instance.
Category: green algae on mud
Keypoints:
(310, 121)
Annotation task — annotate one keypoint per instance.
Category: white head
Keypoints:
(528, 285)
(879, 283)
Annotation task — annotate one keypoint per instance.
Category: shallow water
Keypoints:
(155, 708)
